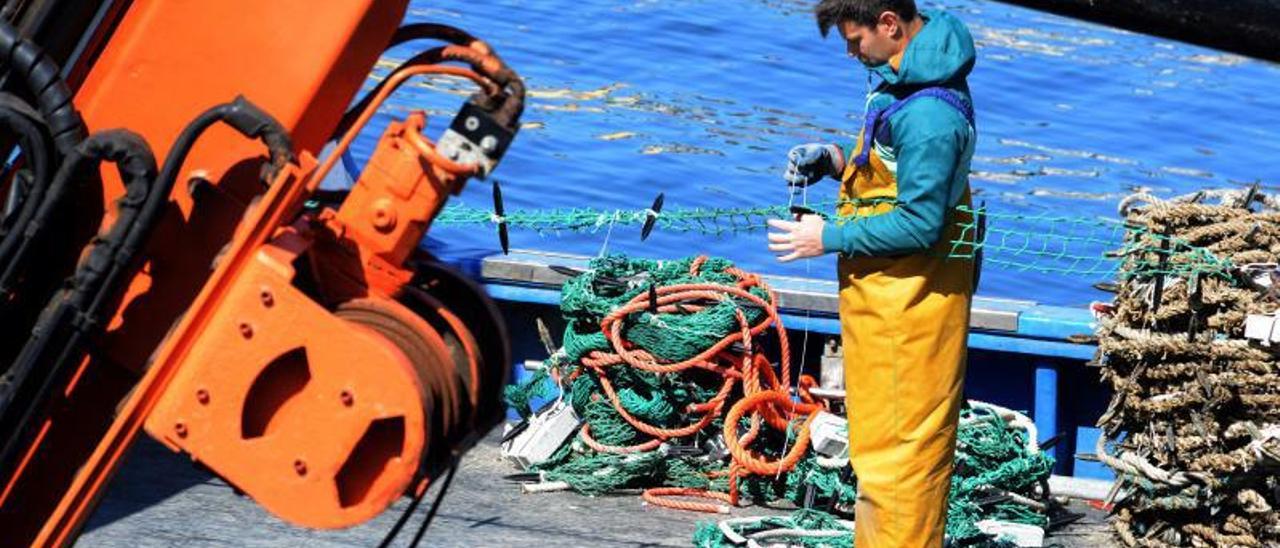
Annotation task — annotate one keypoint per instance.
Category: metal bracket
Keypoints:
(474, 137)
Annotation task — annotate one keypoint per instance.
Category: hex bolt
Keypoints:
(202, 396)
(489, 143)
(348, 399)
(180, 429)
(384, 215)
(268, 299)
(246, 330)
(300, 467)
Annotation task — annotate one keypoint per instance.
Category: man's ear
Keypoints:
(891, 22)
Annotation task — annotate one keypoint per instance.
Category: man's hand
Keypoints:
(798, 239)
(808, 164)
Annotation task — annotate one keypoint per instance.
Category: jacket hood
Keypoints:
(941, 52)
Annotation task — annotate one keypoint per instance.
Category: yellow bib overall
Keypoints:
(904, 322)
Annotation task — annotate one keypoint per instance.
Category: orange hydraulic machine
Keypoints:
(297, 343)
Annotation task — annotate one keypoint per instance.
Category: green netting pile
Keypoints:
(805, 527)
(613, 280)
(994, 457)
(657, 399)
(995, 463)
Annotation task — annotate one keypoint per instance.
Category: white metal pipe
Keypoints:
(1079, 488)
(544, 487)
(827, 393)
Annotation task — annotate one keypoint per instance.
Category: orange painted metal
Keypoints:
(165, 63)
(392, 83)
(381, 222)
(465, 351)
(320, 423)
(364, 246)
(170, 60)
(324, 393)
(260, 222)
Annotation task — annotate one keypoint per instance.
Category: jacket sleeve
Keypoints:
(928, 155)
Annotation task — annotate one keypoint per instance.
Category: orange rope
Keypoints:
(655, 496)
(666, 433)
(598, 447)
(752, 463)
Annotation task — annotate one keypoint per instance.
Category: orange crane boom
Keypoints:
(307, 352)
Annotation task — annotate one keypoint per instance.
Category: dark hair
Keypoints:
(863, 12)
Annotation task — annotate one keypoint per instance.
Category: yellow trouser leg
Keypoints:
(904, 373)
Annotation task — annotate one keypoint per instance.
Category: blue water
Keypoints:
(702, 99)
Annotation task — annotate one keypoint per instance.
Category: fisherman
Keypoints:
(904, 305)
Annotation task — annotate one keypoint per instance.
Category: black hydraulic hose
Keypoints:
(64, 324)
(77, 313)
(459, 37)
(241, 115)
(137, 166)
(512, 107)
(17, 118)
(22, 241)
(431, 31)
(42, 76)
(114, 267)
(58, 130)
(130, 154)
(507, 114)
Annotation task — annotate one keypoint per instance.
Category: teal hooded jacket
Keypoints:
(930, 141)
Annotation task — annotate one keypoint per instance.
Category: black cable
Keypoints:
(413, 505)
(430, 57)
(20, 243)
(404, 518)
(435, 505)
(429, 31)
(77, 313)
(46, 134)
(511, 110)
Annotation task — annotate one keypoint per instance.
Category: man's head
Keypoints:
(875, 30)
